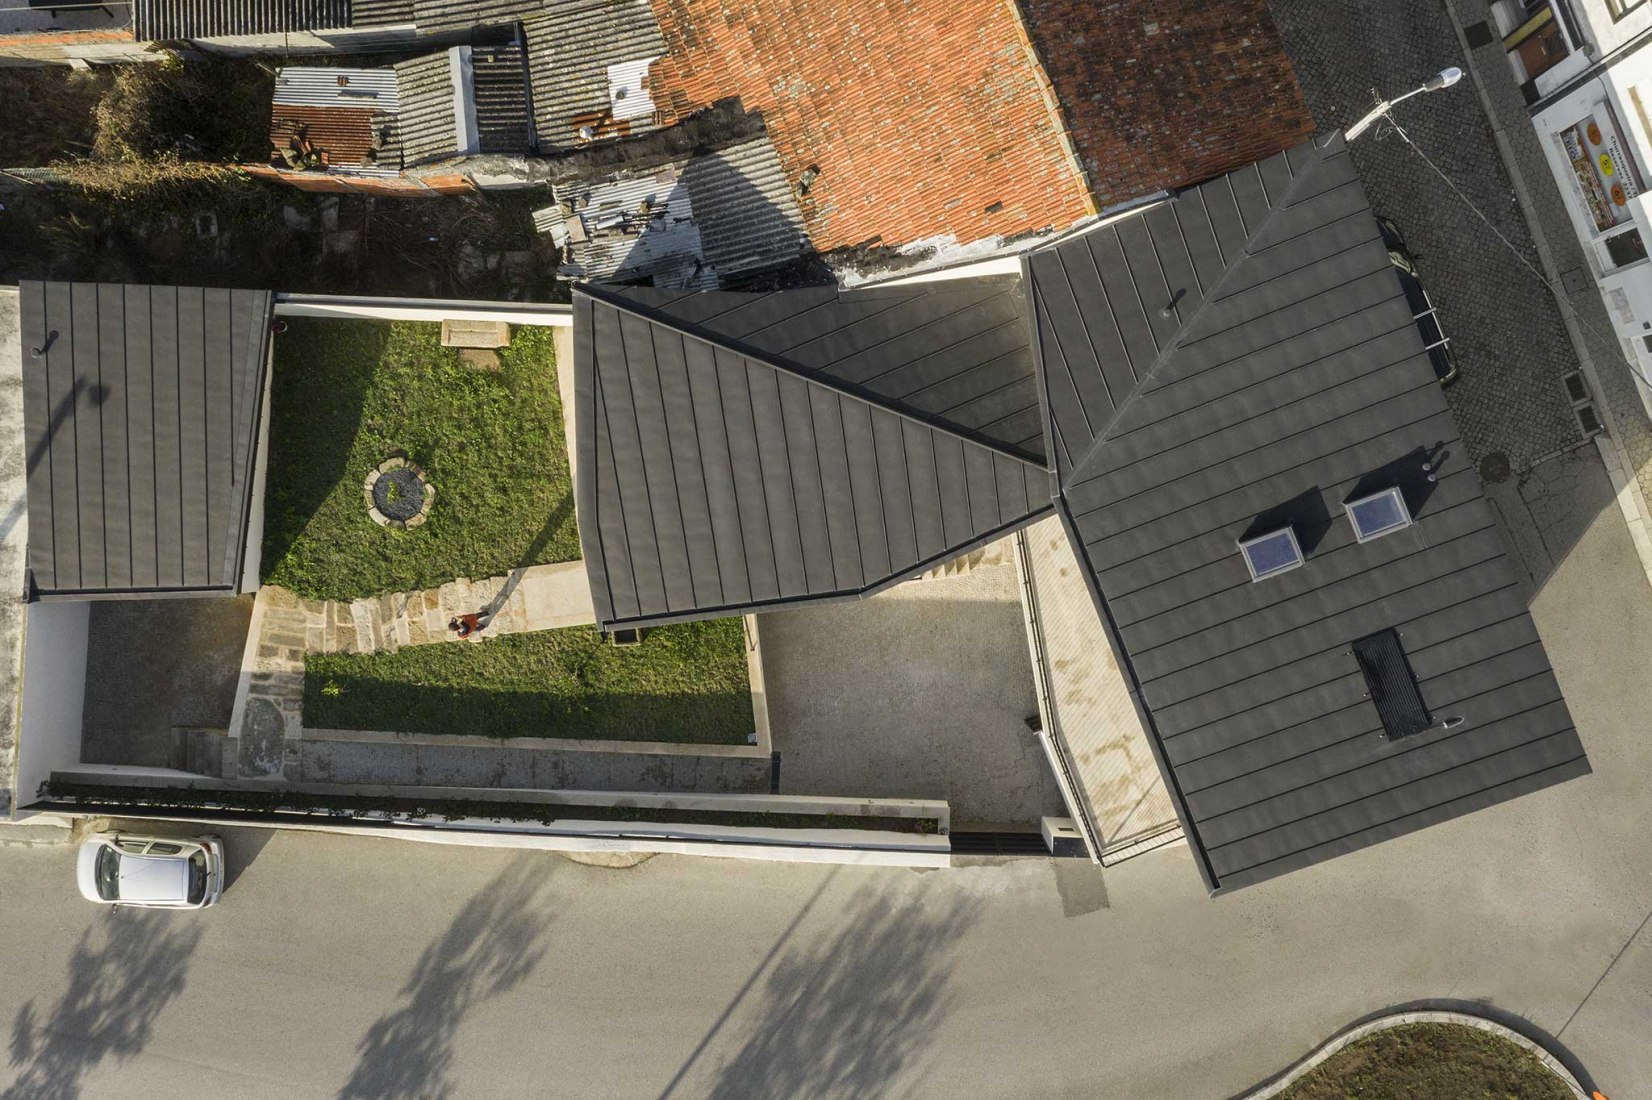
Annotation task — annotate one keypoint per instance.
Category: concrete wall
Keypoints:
(253, 561)
(54, 692)
(340, 307)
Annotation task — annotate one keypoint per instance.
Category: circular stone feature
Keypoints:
(1494, 468)
(398, 494)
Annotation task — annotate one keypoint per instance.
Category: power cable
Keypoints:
(1609, 341)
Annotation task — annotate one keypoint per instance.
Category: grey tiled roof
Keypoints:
(713, 482)
(380, 13)
(570, 49)
(499, 83)
(141, 420)
(453, 15)
(165, 20)
(426, 122)
(1287, 378)
(953, 353)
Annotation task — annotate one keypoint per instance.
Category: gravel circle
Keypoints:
(408, 496)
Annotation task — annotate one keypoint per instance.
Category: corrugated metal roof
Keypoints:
(570, 51)
(166, 20)
(316, 86)
(714, 482)
(688, 224)
(954, 353)
(1287, 378)
(141, 419)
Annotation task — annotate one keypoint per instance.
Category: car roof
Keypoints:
(154, 878)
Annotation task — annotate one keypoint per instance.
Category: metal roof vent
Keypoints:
(1271, 554)
(1378, 514)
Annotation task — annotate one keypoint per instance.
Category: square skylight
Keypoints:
(1270, 554)
(1378, 514)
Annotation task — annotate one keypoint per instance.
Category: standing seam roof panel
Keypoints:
(140, 417)
(1297, 381)
(810, 491)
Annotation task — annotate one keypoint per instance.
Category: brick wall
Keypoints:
(1165, 93)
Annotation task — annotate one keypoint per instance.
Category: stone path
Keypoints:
(268, 717)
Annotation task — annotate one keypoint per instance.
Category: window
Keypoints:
(160, 849)
(1270, 554)
(1379, 514)
(1626, 248)
(197, 878)
(1621, 8)
(1392, 685)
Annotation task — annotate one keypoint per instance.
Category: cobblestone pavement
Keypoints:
(1507, 329)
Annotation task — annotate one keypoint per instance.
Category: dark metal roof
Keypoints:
(714, 481)
(952, 353)
(140, 415)
(1289, 377)
(166, 20)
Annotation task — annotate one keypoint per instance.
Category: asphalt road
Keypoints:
(368, 968)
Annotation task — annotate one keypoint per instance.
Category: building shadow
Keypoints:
(122, 974)
(559, 516)
(1305, 514)
(314, 417)
(851, 1015)
(494, 943)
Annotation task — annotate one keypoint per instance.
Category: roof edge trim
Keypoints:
(840, 596)
(1201, 858)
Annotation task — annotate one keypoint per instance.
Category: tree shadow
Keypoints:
(493, 944)
(849, 1016)
(124, 971)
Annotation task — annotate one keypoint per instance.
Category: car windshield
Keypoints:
(197, 878)
(108, 874)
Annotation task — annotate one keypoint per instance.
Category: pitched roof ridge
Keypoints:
(654, 315)
(1211, 297)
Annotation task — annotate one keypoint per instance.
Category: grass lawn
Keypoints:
(1430, 1062)
(348, 394)
(685, 682)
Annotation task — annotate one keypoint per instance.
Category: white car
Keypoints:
(154, 872)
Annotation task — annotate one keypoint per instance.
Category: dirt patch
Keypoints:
(1430, 1062)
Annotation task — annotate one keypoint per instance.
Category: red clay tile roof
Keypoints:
(920, 114)
(1166, 93)
(937, 117)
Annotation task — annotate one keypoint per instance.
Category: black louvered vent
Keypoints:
(1391, 684)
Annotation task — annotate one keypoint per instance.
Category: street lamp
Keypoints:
(1445, 78)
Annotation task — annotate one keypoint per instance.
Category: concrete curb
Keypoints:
(1399, 1019)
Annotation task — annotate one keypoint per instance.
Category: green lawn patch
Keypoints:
(685, 683)
(1430, 1062)
(346, 395)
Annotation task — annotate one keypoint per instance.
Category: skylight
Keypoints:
(1272, 553)
(1377, 515)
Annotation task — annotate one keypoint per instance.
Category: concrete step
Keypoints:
(200, 751)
